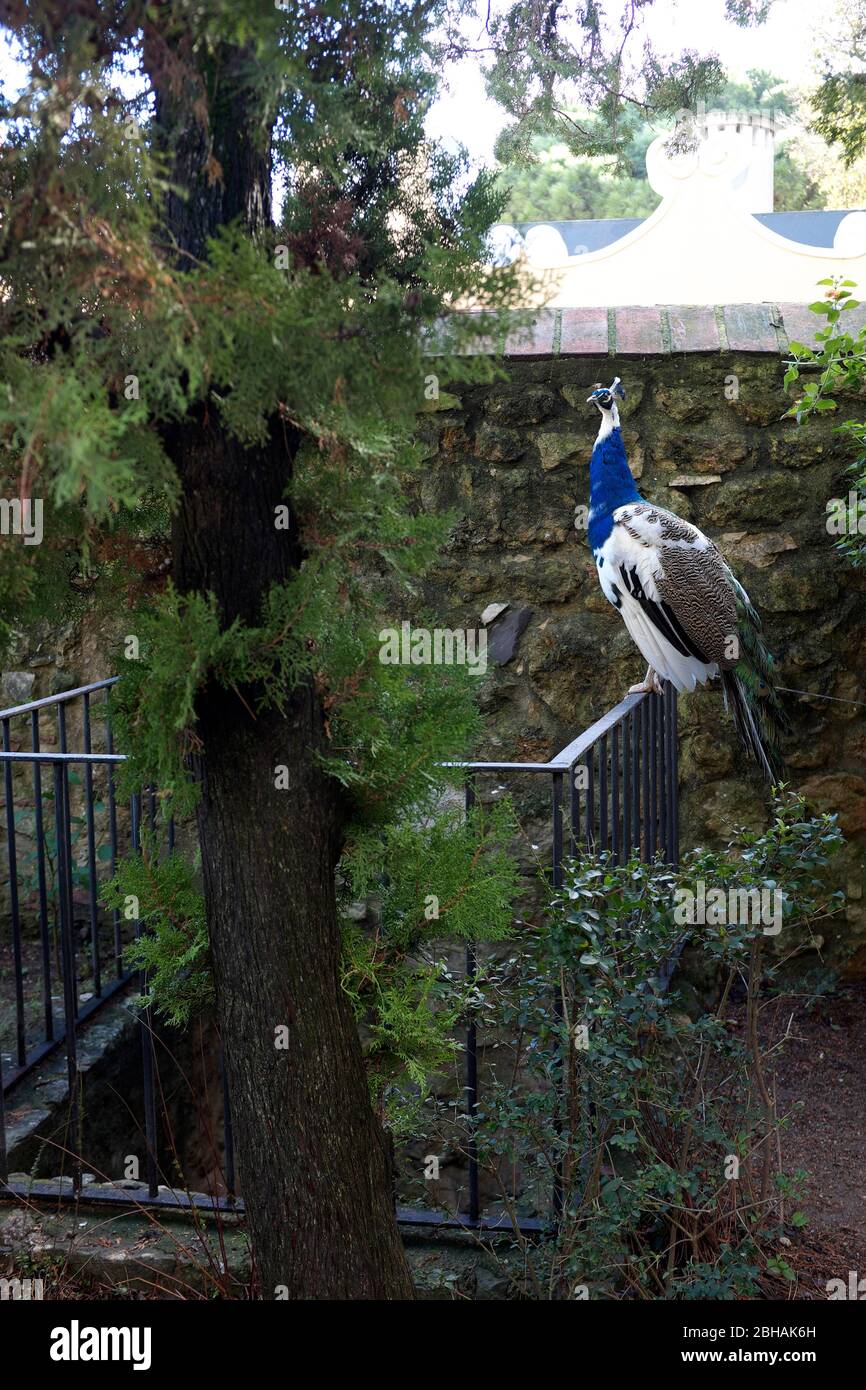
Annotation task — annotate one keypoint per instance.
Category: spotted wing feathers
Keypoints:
(694, 607)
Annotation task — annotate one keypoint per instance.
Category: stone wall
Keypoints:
(706, 438)
(511, 458)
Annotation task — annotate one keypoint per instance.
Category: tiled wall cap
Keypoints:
(649, 331)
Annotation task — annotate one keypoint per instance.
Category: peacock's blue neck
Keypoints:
(611, 485)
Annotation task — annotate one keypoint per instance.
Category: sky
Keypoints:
(783, 45)
(464, 114)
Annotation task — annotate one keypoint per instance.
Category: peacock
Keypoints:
(683, 606)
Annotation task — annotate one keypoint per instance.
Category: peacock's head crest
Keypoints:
(603, 396)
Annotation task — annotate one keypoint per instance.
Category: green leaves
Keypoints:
(435, 879)
(173, 946)
(439, 875)
(840, 106)
(542, 66)
(641, 1098)
(839, 364)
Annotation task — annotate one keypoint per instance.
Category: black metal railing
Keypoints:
(53, 852)
(65, 830)
(613, 788)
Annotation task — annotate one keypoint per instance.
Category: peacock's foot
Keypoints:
(650, 684)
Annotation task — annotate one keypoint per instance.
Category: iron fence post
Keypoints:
(12, 859)
(70, 1001)
(472, 1055)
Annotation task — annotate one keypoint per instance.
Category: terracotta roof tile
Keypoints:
(540, 342)
(693, 328)
(639, 331)
(583, 332)
(652, 330)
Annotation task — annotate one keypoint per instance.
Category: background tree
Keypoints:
(555, 182)
(829, 150)
(840, 99)
(222, 238)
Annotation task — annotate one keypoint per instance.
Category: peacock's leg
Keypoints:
(650, 683)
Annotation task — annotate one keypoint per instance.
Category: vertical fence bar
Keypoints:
(652, 800)
(70, 1000)
(645, 776)
(556, 817)
(673, 780)
(12, 860)
(574, 772)
(615, 772)
(603, 825)
(112, 835)
(146, 1030)
(70, 877)
(557, 877)
(4, 1161)
(91, 850)
(670, 755)
(643, 757)
(635, 779)
(666, 749)
(661, 759)
(472, 1054)
(44, 928)
(627, 741)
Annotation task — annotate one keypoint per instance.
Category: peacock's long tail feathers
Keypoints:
(751, 696)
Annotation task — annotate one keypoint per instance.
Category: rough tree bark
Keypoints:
(314, 1163)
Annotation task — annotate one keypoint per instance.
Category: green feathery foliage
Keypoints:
(314, 326)
(840, 112)
(546, 61)
(824, 376)
(448, 879)
(435, 879)
(173, 946)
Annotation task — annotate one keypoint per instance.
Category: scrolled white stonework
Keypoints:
(701, 246)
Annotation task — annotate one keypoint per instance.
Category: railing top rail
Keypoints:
(560, 762)
(505, 767)
(58, 699)
(43, 757)
(567, 756)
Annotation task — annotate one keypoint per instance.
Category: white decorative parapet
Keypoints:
(700, 246)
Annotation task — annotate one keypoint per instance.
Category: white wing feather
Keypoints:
(644, 556)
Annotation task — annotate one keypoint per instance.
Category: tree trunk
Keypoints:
(314, 1163)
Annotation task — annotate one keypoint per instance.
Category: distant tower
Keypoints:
(750, 138)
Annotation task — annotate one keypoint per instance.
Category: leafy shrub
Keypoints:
(173, 945)
(656, 1127)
